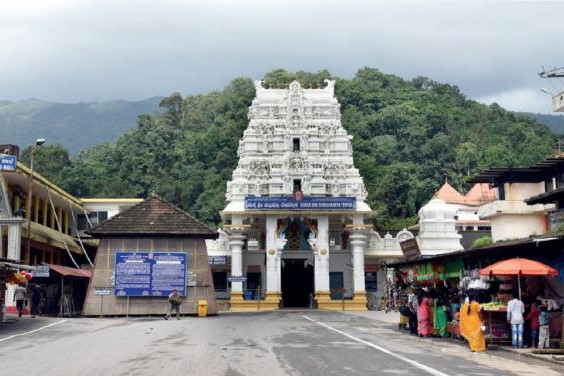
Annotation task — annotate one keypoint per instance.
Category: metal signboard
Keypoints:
(306, 203)
(237, 278)
(410, 249)
(8, 162)
(150, 273)
(102, 291)
(40, 271)
(218, 260)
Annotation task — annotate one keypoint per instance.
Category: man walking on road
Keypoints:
(19, 296)
(174, 300)
(36, 297)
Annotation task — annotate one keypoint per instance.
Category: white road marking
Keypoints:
(423, 367)
(32, 331)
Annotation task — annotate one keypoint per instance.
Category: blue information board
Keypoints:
(306, 203)
(8, 162)
(150, 273)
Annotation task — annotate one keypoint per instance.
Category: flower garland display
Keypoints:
(19, 277)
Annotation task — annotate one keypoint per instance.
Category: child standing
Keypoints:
(544, 336)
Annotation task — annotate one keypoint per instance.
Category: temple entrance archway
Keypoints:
(297, 283)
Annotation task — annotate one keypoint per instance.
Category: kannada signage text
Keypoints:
(306, 203)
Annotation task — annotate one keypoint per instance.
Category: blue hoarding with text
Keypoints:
(150, 273)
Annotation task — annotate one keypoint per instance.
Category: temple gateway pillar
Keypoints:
(274, 246)
(321, 255)
(236, 242)
(358, 239)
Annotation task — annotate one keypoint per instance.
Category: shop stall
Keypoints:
(509, 274)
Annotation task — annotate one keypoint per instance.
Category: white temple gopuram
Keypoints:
(295, 232)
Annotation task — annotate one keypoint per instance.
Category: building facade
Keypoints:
(295, 232)
(40, 227)
(139, 261)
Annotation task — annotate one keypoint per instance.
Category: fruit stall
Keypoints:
(494, 319)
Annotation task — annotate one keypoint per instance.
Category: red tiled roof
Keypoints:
(450, 195)
(154, 216)
(480, 194)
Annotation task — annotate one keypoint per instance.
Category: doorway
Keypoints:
(297, 283)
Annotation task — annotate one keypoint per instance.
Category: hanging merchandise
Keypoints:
(453, 268)
(479, 284)
(425, 272)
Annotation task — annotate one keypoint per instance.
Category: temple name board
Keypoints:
(306, 203)
(8, 162)
(150, 273)
(219, 260)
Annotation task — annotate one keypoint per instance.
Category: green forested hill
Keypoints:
(409, 136)
(75, 126)
(554, 122)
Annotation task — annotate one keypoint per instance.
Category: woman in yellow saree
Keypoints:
(471, 325)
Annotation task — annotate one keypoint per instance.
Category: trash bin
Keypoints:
(248, 295)
(202, 308)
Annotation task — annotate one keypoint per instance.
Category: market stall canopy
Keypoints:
(519, 266)
(67, 271)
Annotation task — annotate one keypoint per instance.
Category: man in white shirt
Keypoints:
(515, 310)
(20, 294)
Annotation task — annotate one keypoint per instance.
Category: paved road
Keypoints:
(276, 343)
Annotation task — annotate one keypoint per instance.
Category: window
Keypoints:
(297, 185)
(371, 281)
(95, 218)
(336, 284)
(501, 192)
(219, 280)
(102, 216)
(559, 181)
(296, 144)
(82, 222)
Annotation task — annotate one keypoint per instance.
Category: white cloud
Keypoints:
(521, 100)
(98, 50)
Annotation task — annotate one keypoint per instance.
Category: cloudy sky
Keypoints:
(77, 51)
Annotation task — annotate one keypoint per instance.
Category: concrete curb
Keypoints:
(546, 358)
(388, 322)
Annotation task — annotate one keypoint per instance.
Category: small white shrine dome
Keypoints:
(437, 209)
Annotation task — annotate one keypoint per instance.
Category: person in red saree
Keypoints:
(424, 321)
(471, 324)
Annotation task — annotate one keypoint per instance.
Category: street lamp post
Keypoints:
(38, 142)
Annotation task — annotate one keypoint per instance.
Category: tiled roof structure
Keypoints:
(450, 195)
(154, 216)
(480, 194)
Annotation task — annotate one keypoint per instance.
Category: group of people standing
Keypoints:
(427, 312)
(472, 325)
(537, 320)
